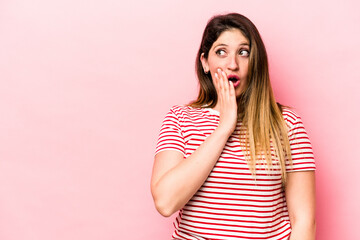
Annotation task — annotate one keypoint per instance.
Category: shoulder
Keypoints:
(294, 123)
(290, 116)
(184, 111)
(178, 109)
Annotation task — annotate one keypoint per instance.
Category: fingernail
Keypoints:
(216, 75)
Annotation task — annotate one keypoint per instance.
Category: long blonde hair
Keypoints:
(264, 132)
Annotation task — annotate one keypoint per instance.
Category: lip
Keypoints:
(232, 76)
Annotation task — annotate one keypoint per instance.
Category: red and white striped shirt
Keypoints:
(232, 204)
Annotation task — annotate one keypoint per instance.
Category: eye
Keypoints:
(220, 52)
(244, 52)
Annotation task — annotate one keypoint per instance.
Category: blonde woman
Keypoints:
(234, 163)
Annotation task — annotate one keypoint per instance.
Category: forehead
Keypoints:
(231, 37)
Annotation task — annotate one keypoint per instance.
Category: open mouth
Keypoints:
(234, 79)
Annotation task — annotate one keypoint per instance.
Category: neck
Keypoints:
(217, 107)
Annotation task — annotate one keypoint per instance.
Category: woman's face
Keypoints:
(230, 52)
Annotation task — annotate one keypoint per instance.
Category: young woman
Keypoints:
(234, 162)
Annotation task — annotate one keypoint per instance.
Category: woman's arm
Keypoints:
(300, 198)
(175, 179)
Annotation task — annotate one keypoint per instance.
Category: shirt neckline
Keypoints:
(213, 111)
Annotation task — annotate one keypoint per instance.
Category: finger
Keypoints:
(221, 93)
(226, 84)
(225, 81)
(218, 84)
(218, 87)
(216, 81)
(231, 89)
(221, 81)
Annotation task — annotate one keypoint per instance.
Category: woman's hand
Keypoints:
(226, 102)
(176, 179)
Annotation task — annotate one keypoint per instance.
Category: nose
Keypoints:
(233, 63)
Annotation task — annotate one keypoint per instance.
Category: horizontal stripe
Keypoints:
(233, 203)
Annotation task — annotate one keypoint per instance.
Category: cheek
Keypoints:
(246, 67)
(241, 88)
(214, 68)
(215, 64)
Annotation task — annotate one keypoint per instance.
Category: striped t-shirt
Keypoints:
(232, 204)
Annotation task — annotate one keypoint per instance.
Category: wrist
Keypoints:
(224, 131)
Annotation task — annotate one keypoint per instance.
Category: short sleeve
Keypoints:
(170, 137)
(300, 145)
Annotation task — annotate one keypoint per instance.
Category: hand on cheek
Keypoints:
(226, 101)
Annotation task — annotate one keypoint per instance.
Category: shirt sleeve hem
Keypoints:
(170, 149)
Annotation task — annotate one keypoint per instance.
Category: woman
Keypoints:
(234, 162)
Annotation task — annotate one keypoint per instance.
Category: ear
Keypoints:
(204, 63)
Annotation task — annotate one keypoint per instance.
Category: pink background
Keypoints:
(84, 86)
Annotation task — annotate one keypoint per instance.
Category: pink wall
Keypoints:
(85, 85)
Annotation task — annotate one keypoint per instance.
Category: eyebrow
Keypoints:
(223, 44)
